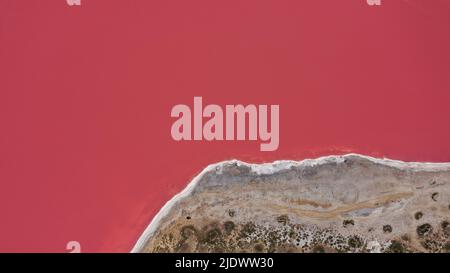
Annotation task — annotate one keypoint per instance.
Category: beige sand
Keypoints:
(348, 203)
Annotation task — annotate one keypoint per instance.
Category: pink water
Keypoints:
(85, 96)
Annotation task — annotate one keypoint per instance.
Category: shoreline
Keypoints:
(274, 167)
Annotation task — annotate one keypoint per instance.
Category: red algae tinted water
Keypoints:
(86, 152)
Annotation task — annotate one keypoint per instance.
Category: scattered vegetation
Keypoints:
(424, 230)
(348, 223)
(435, 196)
(387, 228)
(418, 215)
(283, 219)
(228, 226)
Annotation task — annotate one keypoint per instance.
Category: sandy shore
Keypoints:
(350, 203)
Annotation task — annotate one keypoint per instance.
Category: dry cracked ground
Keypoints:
(346, 203)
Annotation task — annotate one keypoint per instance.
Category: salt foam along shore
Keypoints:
(274, 167)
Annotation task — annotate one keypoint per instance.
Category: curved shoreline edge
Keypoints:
(273, 167)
